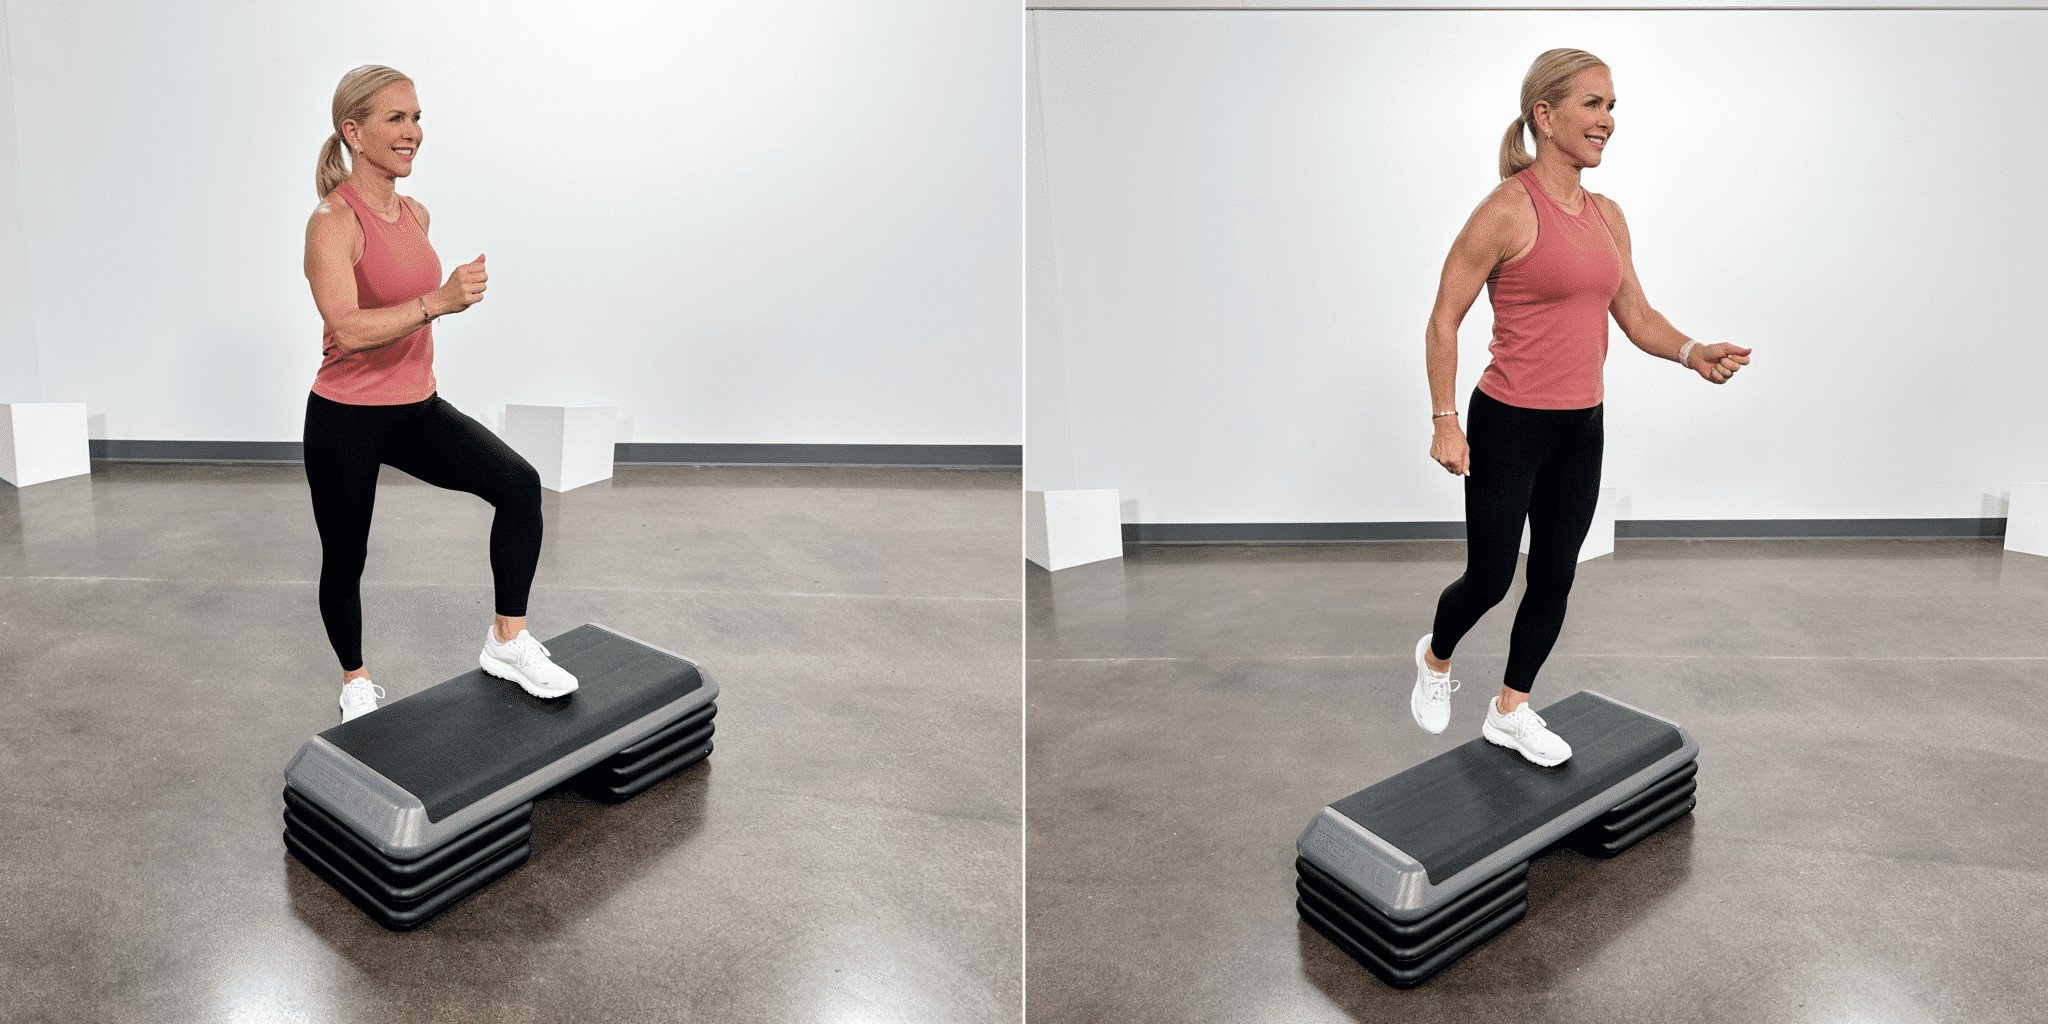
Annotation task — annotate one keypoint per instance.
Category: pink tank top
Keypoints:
(1550, 310)
(398, 265)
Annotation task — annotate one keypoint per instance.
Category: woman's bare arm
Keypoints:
(1485, 242)
(1482, 245)
(330, 269)
(1645, 327)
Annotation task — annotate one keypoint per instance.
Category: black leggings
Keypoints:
(1538, 464)
(345, 445)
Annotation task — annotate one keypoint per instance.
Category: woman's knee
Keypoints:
(1553, 576)
(522, 489)
(1489, 588)
(342, 567)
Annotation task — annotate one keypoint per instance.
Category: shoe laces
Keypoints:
(1527, 716)
(359, 689)
(1437, 688)
(528, 648)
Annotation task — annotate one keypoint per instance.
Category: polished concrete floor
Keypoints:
(1871, 842)
(851, 854)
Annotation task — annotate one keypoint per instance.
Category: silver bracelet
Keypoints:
(1685, 350)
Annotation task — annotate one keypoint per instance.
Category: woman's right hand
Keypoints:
(465, 287)
(1449, 448)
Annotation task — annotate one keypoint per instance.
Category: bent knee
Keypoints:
(1553, 578)
(1491, 588)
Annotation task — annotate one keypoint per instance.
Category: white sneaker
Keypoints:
(1525, 731)
(525, 661)
(359, 697)
(1430, 702)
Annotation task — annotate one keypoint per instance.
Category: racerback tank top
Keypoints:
(398, 265)
(1550, 309)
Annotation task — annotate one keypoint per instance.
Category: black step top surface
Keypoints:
(1452, 810)
(461, 740)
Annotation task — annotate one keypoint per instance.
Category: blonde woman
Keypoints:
(1556, 262)
(374, 403)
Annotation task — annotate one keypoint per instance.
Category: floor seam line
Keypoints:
(1559, 657)
(367, 584)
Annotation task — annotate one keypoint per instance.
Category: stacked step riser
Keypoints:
(1407, 953)
(379, 806)
(635, 769)
(1636, 819)
(402, 895)
(1390, 874)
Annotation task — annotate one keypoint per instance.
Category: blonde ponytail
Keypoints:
(352, 100)
(1548, 81)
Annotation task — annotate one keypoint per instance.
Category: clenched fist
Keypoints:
(465, 287)
(1718, 362)
(1449, 448)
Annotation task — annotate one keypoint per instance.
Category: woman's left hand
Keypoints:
(1718, 362)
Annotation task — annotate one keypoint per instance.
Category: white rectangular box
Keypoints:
(2026, 519)
(1068, 528)
(42, 441)
(1600, 538)
(570, 445)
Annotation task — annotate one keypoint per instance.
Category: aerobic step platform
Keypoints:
(1414, 871)
(412, 807)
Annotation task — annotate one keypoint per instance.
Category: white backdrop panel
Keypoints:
(1249, 213)
(773, 222)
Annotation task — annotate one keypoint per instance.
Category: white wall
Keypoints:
(1047, 422)
(765, 222)
(20, 380)
(1250, 210)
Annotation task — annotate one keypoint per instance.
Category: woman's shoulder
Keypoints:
(335, 213)
(1509, 199)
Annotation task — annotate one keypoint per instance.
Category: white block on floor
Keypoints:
(1599, 539)
(1068, 528)
(2026, 519)
(42, 441)
(571, 445)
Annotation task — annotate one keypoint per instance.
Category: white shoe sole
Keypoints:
(498, 668)
(1501, 739)
(1415, 695)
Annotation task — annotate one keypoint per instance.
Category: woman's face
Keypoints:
(1587, 113)
(390, 139)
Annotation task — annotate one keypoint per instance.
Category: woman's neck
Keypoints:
(1560, 180)
(375, 189)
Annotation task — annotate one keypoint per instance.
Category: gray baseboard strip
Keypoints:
(264, 452)
(951, 456)
(643, 453)
(1625, 529)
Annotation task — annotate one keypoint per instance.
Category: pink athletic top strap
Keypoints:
(1550, 309)
(398, 266)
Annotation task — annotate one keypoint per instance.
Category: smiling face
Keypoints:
(1581, 125)
(391, 138)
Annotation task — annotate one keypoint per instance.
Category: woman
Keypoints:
(1555, 259)
(373, 401)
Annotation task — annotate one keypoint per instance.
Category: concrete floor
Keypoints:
(1871, 843)
(851, 854)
